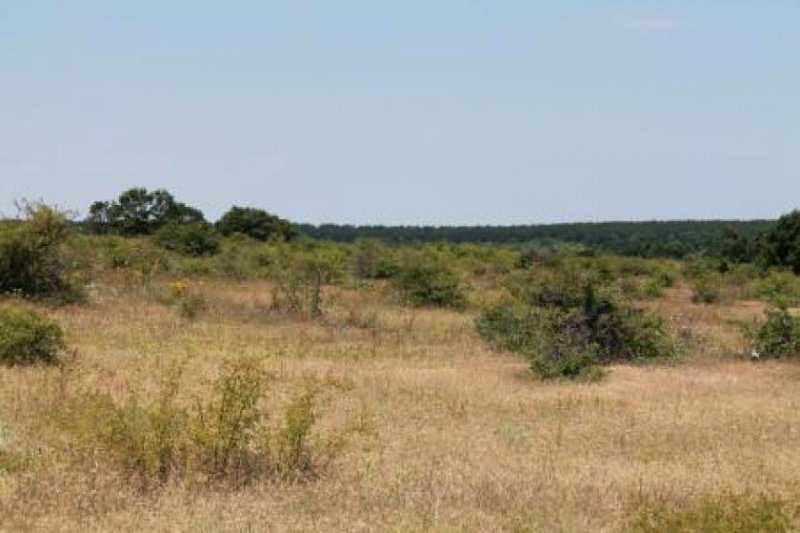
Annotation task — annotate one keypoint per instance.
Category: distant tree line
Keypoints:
(674, 239)
(183, 228)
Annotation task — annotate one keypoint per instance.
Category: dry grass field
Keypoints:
(438, 432)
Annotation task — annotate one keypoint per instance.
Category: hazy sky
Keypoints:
(435, 111)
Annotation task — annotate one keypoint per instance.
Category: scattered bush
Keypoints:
(32, 254)
(567, 326)
(730, 514)
(779, 336)
(28, 337)
(428, 281)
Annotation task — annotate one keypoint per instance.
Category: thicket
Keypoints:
(28, 336)
(567, 325)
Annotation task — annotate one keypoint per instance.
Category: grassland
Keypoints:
(438, 431)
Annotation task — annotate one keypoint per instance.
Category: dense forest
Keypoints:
(649, 239)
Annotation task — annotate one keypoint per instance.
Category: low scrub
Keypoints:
(568, 327)
(227, 441)
(28, 337)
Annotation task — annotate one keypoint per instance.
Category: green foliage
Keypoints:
(192, 239)
(427, 280)
(780, 245)
(779, 336)
(139, 212)
(227, 441)
(255, 223)
(566, 325)
(28, 337)
(729, 514)
(33, 259)
(780, 288)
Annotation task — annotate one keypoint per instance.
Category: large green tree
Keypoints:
(140, 212)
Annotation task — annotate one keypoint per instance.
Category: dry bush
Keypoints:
(225, 441)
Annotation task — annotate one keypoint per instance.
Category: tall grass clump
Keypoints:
(33, 258)
(568, 326)
(28, 337)
(227, 441)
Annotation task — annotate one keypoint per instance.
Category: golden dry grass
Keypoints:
(444, 434)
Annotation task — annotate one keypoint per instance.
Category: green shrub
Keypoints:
(730, 514)
(779, 336)
(429, 281)
(567, 326)
(27, 336)
(32, 254)
(193, 239)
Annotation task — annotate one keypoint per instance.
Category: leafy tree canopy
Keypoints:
(139, 212)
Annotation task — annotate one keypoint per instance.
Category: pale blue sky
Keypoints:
(474, 112)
